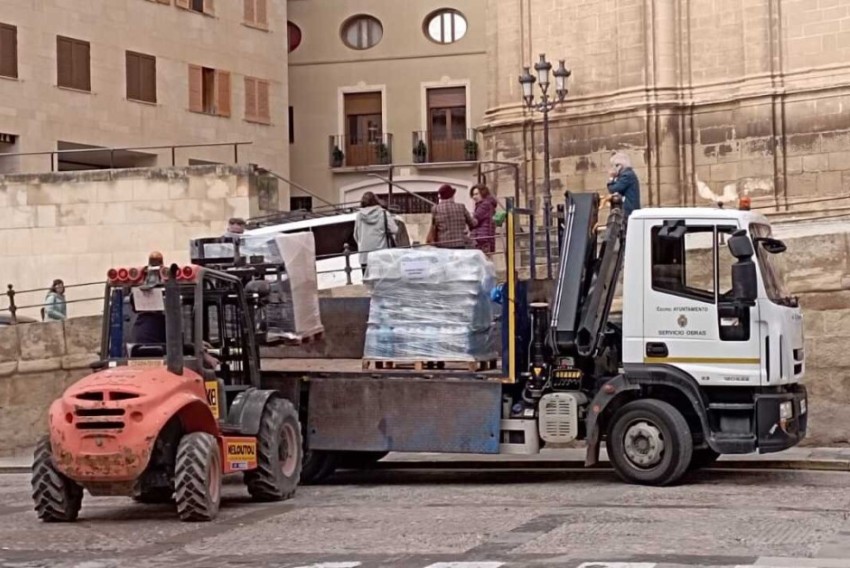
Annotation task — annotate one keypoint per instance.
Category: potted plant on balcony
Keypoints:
(420, 153)
(383, 154)
(337, 157)
(470, 150)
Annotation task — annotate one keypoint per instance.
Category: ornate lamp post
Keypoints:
(544, 104)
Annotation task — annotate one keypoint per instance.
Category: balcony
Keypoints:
(430, 147)
(352, 152)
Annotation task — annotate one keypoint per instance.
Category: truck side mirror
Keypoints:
(773, 246)
(744, 281)
(740, 245)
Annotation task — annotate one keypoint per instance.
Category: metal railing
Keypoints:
(356, 151)
(56, 155)
(13, 303)
(430, 147)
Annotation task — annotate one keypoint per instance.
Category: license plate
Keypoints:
(145, 363)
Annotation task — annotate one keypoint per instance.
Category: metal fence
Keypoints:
(36, 298)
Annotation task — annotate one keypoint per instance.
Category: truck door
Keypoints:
(690, 320)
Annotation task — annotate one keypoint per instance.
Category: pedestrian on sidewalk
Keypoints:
(55, 307)
(449, 221)
(374, 228)
(484, 233)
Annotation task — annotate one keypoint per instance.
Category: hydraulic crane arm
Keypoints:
(587, 277)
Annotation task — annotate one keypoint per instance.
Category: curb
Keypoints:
(8, 469)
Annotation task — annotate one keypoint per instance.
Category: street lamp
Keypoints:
(544, 104)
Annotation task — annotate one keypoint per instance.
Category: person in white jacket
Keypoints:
(374, 228)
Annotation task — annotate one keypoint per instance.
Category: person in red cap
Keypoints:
(450, 221)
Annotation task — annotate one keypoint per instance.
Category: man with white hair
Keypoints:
(624, 181)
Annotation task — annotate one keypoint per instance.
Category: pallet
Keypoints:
(422, 365)
(304, 339)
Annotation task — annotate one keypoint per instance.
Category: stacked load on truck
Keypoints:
(430, 304)
(293, 310)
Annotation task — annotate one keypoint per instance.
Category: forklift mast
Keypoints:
(587, 275)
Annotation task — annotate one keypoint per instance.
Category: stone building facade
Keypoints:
(748, 95)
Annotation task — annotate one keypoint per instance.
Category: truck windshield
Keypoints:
(771, 268)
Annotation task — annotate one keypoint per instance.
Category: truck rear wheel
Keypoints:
(197, 477)
(279, 453)
(649, 443)
(57, 498)
(318, 466)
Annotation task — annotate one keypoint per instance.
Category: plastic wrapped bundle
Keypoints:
(430, 304)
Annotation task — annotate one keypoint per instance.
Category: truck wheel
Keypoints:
(649, 443)
(279, 453)
(359, 460)
(702, 458)
(197, 477)
(318, 466)
(57, 498)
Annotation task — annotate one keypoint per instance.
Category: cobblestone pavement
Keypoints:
(460, 519)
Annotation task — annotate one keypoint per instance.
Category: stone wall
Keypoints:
(76, 225)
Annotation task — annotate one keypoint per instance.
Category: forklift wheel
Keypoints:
(279, 453)
(649, 443)
(197, 477)
(57, 498)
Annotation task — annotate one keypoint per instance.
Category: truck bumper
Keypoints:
(775, 433)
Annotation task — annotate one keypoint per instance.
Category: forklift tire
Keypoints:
(197, 477)
(279, 453)
(649, 443)
(57, 498)
(318, 466)
(702, 458)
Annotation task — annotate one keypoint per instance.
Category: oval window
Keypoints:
(362, 32)
(293, 33)
(445, 26)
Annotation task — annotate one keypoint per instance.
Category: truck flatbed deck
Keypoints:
(306, 369)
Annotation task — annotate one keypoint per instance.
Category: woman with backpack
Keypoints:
(55, 307)
(374, 228)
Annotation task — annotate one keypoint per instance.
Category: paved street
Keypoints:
(461, 519)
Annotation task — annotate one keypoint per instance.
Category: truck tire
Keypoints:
(649, 443)
(359, 460)
(318, 466)
(197, 477)
(702, 458)
(57, 498)
(279, 453)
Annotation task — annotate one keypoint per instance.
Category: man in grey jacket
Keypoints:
(374, 228)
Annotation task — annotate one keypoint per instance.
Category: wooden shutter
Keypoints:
(209, 7)
(250, 98)
(147, 78)
(164, 2)
(262, 14)
(182, 4)
(248, 12)
(134, 74)
(196, 88)
(8, 50)
(64, 49)
(263, 106)
(222, 88)
(81, 65)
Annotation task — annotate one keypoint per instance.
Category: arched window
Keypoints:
(362, 32)
(445, 26)
(293, 34)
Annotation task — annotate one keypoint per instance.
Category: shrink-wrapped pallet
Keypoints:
(430, 304)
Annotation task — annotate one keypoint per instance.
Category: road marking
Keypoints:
(466, 565)
(617, 565)
(333, 565)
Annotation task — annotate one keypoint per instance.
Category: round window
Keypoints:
(362, 32)
(293, 33)
(445, 26)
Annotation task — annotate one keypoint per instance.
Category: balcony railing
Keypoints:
(431, 147)
(350, 151)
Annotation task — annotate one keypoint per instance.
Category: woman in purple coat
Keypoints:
(485, 207)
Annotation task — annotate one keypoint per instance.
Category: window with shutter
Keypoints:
(262, 13)
(249, 11)
(73, 64)
(141, 77)
(82, 65)
(263, 103)
(185, 4)
(134, 87)
(222, 92)
(250, 98)
(64, 48)
(196, 88)
(8, 51)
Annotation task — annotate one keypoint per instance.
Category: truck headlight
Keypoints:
(803, 406)
(786, 410)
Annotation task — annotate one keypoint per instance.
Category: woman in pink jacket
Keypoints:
(484, 232)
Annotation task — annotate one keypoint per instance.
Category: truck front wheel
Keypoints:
(649, 443)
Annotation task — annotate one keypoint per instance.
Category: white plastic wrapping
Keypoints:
(430, 304)
(298, 253)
